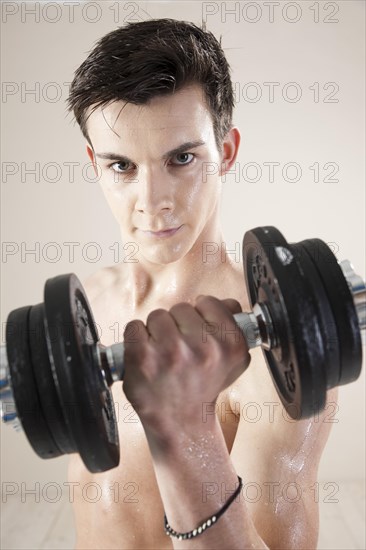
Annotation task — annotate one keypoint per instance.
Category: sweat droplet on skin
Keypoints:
(297, 462)
(201, 449)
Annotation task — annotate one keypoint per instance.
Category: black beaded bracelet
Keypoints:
(207, 523)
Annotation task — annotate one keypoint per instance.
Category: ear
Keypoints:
(91, 155)
(230, 148)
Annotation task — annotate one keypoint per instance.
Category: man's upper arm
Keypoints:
(278, 460)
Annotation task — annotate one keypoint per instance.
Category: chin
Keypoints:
(164, 255)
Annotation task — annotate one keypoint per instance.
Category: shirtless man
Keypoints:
(162, 114)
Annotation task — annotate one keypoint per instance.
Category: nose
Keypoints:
(154, 192)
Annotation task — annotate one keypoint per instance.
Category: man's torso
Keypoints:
(122, 508)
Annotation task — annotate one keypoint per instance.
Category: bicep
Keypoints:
(278, 460)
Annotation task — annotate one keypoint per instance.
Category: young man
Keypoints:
(154, 101)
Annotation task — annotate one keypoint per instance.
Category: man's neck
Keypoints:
(148, 283)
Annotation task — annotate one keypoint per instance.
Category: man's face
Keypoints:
(154, 163)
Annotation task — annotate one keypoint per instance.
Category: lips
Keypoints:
(163, 232)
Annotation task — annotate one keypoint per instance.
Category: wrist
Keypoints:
(167, 439)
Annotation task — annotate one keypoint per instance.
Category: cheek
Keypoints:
(201, 192)
(118, 201)
(196, 187)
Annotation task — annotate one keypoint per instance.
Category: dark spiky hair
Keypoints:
(139, 61)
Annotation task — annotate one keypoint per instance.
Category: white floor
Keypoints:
(43, 525)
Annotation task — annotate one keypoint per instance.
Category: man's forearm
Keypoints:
(196, 477)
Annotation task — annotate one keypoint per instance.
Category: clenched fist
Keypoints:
(183, 358)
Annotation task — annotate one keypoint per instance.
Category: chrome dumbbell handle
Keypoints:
(7, 410)
(358, 288)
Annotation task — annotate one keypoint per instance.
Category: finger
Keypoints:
(135, 332)
(161, 326)
(188, 320)
(213, 309)
(219, 316)
(233, 305)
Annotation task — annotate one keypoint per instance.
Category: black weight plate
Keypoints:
(327, 323)
(86, 399)
(274, 276)
(344, 311)
(51, 406)
(24, 385)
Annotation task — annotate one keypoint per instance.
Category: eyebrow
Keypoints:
(180, 149)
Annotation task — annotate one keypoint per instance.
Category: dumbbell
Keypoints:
(308, 312)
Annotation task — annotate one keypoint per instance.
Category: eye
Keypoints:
(124, 165)
(182, 157)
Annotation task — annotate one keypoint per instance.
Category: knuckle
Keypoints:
(232, 304)
(180, 308)
(132, 330)
(204, 300)
(156, 314)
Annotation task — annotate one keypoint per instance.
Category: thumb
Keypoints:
(233, 305)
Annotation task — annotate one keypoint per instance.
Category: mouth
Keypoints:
(163, 234)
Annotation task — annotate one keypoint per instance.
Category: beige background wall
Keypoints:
(321, 54)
